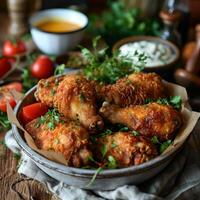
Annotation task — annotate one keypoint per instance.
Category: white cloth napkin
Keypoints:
(180, 180)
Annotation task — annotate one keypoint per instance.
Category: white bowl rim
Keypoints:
(32, 26)
(80, 172)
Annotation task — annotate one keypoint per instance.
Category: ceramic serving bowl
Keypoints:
(60, 42)
(108, 179)
(169, 65)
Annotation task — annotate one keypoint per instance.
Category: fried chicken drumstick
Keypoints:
(132, 90)
(127, 149)
(150, 120)
(67, 138)
(74, 97)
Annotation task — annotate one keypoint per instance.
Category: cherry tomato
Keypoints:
(10, 100)
(43, 67)
(5, 66)
(14, 86)
(33, 111)
(13, 48)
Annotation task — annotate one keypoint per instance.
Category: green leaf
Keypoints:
(104, 150)
(124, 129)
(176, 101)
(112, 163)
(113, 145)
(135, 133)
(60, 70)
(155, 140)
(165, 145)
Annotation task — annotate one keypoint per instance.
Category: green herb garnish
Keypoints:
(165, 145)
(162, 146)
(60, 70)
(112, 163)
(124, 129)
(122, 20)
(174, 101)
(51, 119)
(4, 122)
(113, 145)
(135, 133)
(108, 69)
(104, 150)
(27, 81)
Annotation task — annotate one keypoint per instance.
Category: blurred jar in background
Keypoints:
(184, 8)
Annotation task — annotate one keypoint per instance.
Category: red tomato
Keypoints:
(33, 111)
(14, 86)
(11, 48)
(43, 67)
(10, 100)
(5, 66)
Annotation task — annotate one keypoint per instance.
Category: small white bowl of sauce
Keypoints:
(56, 31)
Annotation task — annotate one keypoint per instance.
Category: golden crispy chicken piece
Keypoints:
(74, 97)
(67, 138)
(46, 90)
(152, 119)
(126, 148)
(132, 90)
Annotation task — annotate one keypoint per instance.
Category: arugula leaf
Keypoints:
(165, 145)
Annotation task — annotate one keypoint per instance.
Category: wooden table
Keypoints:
(12, 185)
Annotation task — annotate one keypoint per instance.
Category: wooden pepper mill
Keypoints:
(190, 75)
(19, 11)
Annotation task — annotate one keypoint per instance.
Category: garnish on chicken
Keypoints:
(132, 90)
(66, 137)
(74, 97)
(150, 120)
(126, 149)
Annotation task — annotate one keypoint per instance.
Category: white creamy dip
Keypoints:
(157, 53)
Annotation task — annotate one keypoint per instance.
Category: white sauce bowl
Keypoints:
(54, 43)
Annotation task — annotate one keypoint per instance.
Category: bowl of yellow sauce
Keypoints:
(56, 31)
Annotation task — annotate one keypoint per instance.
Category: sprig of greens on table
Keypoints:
(120, 21)
(4, 122)
(108, 69)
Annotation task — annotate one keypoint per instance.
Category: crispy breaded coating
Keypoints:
(132, 90)
(74, 97)
(67, 138)
(126, 148)
(150, 120)
(46, 90)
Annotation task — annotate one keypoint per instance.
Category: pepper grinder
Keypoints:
(170, 20)
(190, 75)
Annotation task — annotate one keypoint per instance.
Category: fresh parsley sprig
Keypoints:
(51, 119)
(108, 69)
(162, 145)
(4, 122)
(174, 101)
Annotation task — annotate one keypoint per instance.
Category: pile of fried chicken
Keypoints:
(87, 108)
